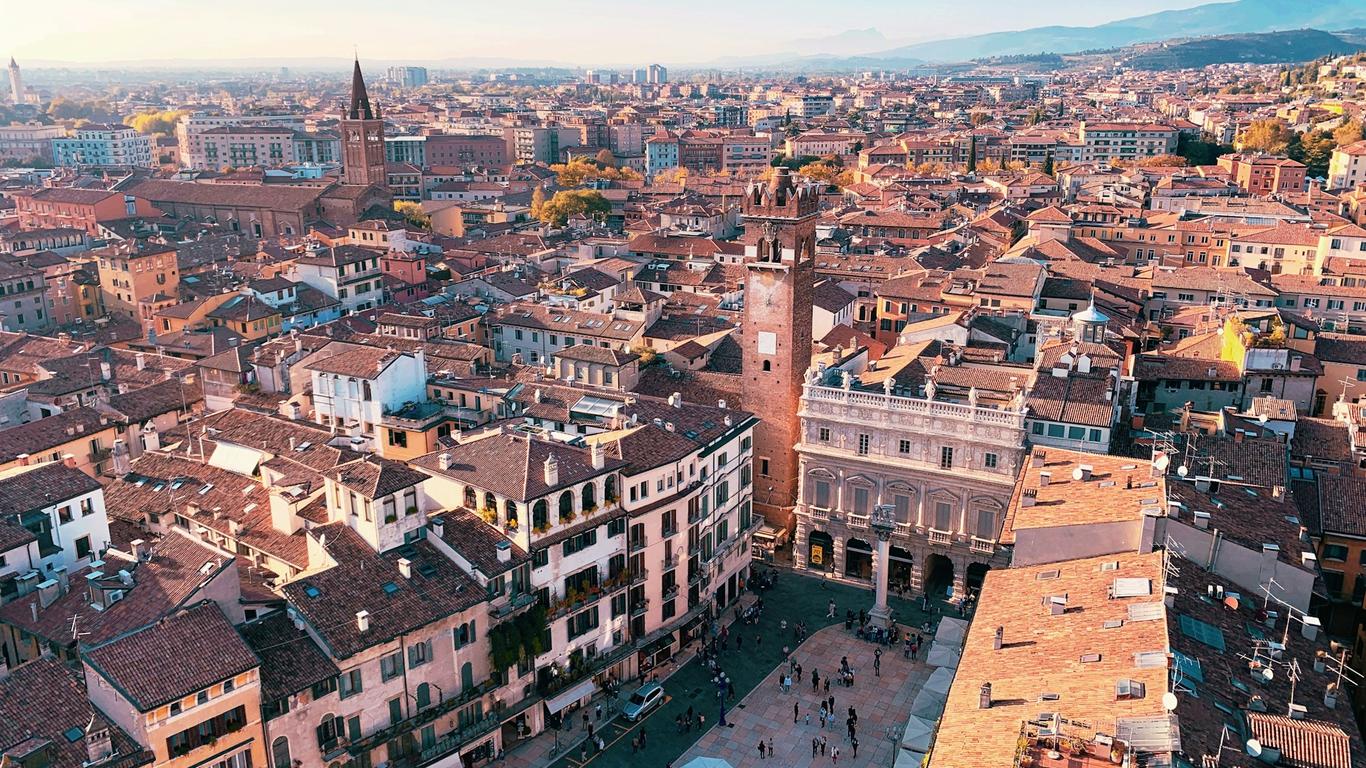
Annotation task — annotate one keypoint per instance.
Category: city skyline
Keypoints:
(538, 34)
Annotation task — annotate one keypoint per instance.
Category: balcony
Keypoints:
(427, 715)
(503, 609)
(639, 575)
(903, 529)
(699, 577)
(671, 561)
(638, 543)
(984, 546)
(453, 741)
(670, 592)
(857, 521)
(818, 513)
(942, 538)
(669, 530)
(639, 608)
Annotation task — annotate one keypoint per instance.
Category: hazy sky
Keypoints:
(576, 31)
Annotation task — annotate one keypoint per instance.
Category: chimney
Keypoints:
(721, 404)
(444, 461)
(363, 620)
(140, 360)
(1038, 458)
(1045, 478)
(597, 455)
(99, 745)
(1084, 472)
(438, 527)
(676, 400)
(504, 551)
(48, 592)
(106, 373)
(552, 471)
(63, 578)
(1309, 627)
(1237, 435)
(1201, 520)
(1057, 605)
(1029, 497)
(1278, 492)
(984, 696)
(139, 548)
(405, 567)
(997, 638)
(68, 459)
(24, 457)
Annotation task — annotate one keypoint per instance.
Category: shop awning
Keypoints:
(569, 695)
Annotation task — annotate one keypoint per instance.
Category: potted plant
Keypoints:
(512, 524)
(489, 514)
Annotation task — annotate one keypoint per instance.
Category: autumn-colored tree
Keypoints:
(1163, 161)
(413, 213)
(537, 201)
(1348, 133)
(573, 202)
(979, 118)
(1036, 116)
(581, 170)
(1270, 136)
(677, 175)
(606, 159)
(821, 172)
(989, 165)
(155, 122)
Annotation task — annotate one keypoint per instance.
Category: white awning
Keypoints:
(235, 458)
(909, 758)
(569, 695)
(917, 734)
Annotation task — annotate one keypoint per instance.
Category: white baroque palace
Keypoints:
(946, 471)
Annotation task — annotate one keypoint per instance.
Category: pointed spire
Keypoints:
(360, 100)
(12, 63)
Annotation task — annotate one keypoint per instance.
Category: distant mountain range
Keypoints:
(1264, 48)
(1238, 17)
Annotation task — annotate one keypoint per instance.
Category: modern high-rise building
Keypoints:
(658, 74)
(16, 82)
(408, 77)
(362, 137)
(641, 75)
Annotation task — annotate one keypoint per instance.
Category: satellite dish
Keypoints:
(1261, 418)
(1254, 747)
(1183, 470)
(1268, 673)
(1076, 474)
(1162, 462)
(1169, 701)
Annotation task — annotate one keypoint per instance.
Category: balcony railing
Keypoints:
(917, 405)
(671, 561)
(639, 608)
(857, 521)
(985, 546)
(638, 543)
(639, 574)
(818, 513)
(421, 718)
(513, 604)
(943, 538)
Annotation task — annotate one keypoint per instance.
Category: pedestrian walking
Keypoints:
(585, 720)
(598, 711)
(761, 749)
(831, 613)
(823, 744)
(877, 663)
(815, 745)
(835, 755)
(826, 686)
(832, 702)
(795, 711)
(770, 746)
(808, 718)
(815, 680)
(583, 752)
(854, 744)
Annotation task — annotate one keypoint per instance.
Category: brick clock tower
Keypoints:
(362, 138)
(780, 237)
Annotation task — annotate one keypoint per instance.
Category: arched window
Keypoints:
(768, 366)
(566, 505)
(279, 752)
(424, 696)
(471, 498)
(539, 512)
(489, 501)
(589, 496)
(510, 511)
(609, 489)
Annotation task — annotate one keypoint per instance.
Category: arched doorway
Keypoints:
(820, 551)
(858, 559)
(903, 565)
(973, 577)
(938, 577)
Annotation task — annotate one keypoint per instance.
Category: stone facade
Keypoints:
(946, 469)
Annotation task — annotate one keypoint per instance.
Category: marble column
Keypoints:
(883, 521)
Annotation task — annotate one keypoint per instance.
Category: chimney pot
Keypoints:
(405, 567)
(363, 620)
(999, 636)
(984, 696)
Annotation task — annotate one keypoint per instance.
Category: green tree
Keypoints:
(1036, 116)
(1048, 164)
(1197, 152)
(573, 202)
(972, 154)
(1314, 149)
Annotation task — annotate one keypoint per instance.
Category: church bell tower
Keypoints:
(362, 138)
(780, 237)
